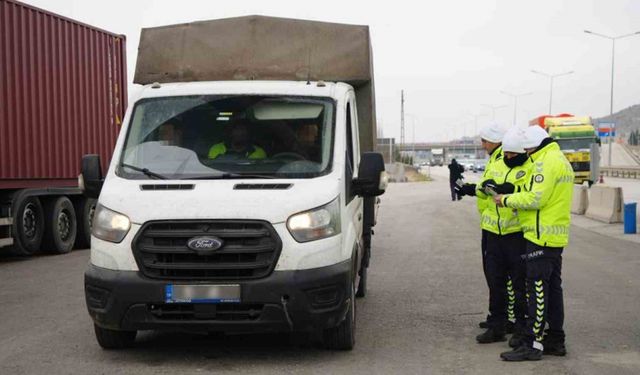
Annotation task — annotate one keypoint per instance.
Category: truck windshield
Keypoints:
(216, 137)
(576, 144)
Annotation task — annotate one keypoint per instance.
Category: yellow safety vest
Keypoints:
(503, 220)
(221, 149)
(545, 209)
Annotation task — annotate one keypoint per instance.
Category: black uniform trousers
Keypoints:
(544, 289)
(454, 194)
(505, 261)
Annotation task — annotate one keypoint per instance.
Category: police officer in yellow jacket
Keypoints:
(491, 136)
(505, 243)
(544, 213)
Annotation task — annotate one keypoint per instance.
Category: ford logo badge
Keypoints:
(204, 245)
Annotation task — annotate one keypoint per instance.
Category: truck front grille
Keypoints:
(210, 312)
(250, 250)
(580, 166)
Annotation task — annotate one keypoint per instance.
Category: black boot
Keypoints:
(516, 340)
(491, 335)
(485, 323)
(510, 327)
(522, 353)
(554, 347)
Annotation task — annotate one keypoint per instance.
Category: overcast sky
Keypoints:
(450, 57)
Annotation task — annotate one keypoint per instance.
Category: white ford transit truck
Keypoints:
(241, 194)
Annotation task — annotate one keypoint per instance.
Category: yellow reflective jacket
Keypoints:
(503, 220)
(545, 208)
(483, 200)
(221, 149)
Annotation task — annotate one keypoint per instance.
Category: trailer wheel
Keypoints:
(84, 210)
(28, 225)
(61, 225)
(110, 339)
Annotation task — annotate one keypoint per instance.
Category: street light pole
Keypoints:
(515, 103)
(551, 77)
(493, 109)
(613, 57)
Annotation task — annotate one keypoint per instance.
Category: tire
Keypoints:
(343, 336)
(28, 225)
(362, 285)
(60, 225)
(111, 339)
(85, 208)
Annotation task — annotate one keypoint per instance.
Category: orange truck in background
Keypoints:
(578, 140)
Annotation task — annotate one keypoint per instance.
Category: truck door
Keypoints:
(353, 203)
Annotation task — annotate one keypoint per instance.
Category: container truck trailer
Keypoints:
(241, 195)
(63, 94)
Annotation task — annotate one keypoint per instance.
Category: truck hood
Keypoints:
(216, 199)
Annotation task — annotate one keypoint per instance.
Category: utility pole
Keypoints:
(515, 103)
(402, 118)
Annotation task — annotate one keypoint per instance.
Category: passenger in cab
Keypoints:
(238, 146)
(170, 134)
(307, 136)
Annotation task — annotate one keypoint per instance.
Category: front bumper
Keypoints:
(314, 299)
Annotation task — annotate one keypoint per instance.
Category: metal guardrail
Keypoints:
(621, 172)
(633, 153)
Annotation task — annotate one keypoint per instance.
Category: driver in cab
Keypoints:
(238, 145)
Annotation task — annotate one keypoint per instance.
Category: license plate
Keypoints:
(202, 293)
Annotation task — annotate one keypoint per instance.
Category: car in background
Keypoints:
(479, 166)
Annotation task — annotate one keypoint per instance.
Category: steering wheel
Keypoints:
(288, 156)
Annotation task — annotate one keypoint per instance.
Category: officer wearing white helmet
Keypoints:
(544, 212)
(491, 137)
(506, 246)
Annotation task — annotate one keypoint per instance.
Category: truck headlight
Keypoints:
(109, 225)
(315, 224)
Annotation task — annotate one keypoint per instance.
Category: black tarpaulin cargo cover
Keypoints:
(263, 48)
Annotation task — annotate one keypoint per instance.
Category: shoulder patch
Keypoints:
(538, 178)
(520, 174)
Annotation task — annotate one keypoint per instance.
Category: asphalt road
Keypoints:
(426, 296)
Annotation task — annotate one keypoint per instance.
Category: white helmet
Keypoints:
(492, 133)
(533, 136)
(513, 140)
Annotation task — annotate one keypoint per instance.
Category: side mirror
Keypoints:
(372, 179)
(90, 180)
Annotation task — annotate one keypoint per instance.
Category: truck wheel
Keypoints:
(343, 336)
(61, 225)
(28, 224)
(362, 285)
(111, 339)
(84, 210)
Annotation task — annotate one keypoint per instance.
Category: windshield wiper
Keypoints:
(228, 176)
(145, 171)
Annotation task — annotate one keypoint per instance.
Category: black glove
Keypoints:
(506, 188)
(468, 189)
(488, 184)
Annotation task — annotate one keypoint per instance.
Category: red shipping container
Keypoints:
(63, 94)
